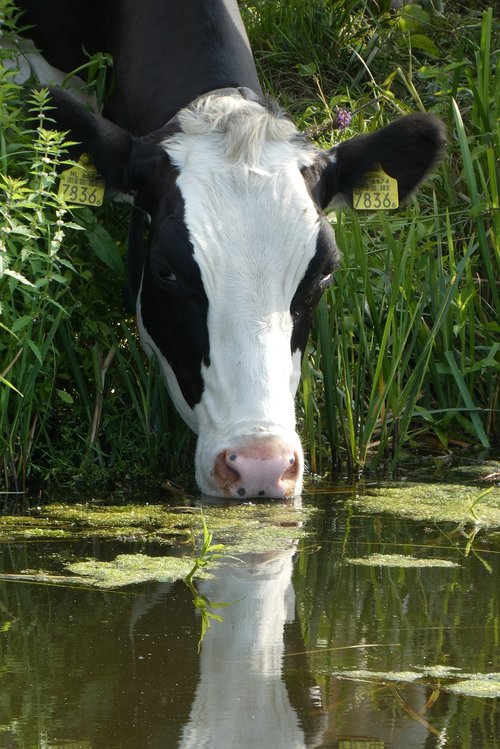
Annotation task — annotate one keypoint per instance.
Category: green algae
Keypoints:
(470, 685)
(130, 569)
(456, 503)
(124, 570)
(440, 672)
(399, 560)
(478, 687)
(256, 528)
(377, 676)
(445, 468)
(79, 521)
(241, 528)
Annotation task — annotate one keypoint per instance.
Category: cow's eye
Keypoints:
(166, 276)
(326, 280)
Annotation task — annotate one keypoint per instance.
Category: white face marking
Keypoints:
(254, 230)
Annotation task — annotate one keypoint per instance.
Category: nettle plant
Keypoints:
(77, 399)
(35, 270)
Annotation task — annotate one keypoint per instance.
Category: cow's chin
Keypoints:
(262, 465)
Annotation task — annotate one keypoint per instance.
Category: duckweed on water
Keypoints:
(84, 520)
(471, 685)
(124, 570)
(241, 528)
(129, 569)
(364, 675)
(484, 687)
(456, 503)
(400, 560)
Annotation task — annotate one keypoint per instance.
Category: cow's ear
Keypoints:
(406, 150)
(110, 146)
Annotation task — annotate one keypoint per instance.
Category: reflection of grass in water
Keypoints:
(7, 622)
(387, 621)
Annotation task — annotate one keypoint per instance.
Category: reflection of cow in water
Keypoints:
(121, 668)
(241, 699)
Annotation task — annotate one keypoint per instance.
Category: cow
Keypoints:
(238, 249)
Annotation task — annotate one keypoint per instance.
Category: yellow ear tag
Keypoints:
(379, 192)
(82, 183)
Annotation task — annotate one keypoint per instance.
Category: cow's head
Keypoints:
(239, 254)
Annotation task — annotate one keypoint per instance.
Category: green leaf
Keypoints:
(36, 350)
(467, 398)
(65, 396)
(10, 385)
(19, 277)
(20, 323)
(415, 14)
(105, 248)
(308, 70)
(102, 243)
(424, 43)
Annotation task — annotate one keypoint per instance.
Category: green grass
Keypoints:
(405, 351)
(406, 347)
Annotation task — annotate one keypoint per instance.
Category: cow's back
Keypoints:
(166, 53)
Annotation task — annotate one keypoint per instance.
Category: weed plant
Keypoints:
(77, 398)
(405, 347)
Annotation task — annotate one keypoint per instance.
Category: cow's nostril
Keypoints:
(293, 470)
(225, 473)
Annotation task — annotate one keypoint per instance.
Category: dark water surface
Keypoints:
(315, 650)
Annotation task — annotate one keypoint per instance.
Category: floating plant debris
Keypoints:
(400, 560)
(456, 503)
(471, 685)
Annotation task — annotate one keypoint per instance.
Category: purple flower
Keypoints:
(342, 119)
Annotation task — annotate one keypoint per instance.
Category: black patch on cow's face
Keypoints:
(174, 305)
(312, 285)
(154, 176)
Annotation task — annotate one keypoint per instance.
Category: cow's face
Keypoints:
(239, 255)
(229, 288)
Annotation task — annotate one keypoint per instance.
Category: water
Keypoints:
(314, 650)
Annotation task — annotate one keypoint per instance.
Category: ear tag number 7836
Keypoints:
(378, 193)
(82, 184)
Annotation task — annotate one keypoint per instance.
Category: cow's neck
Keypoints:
(191, 48)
